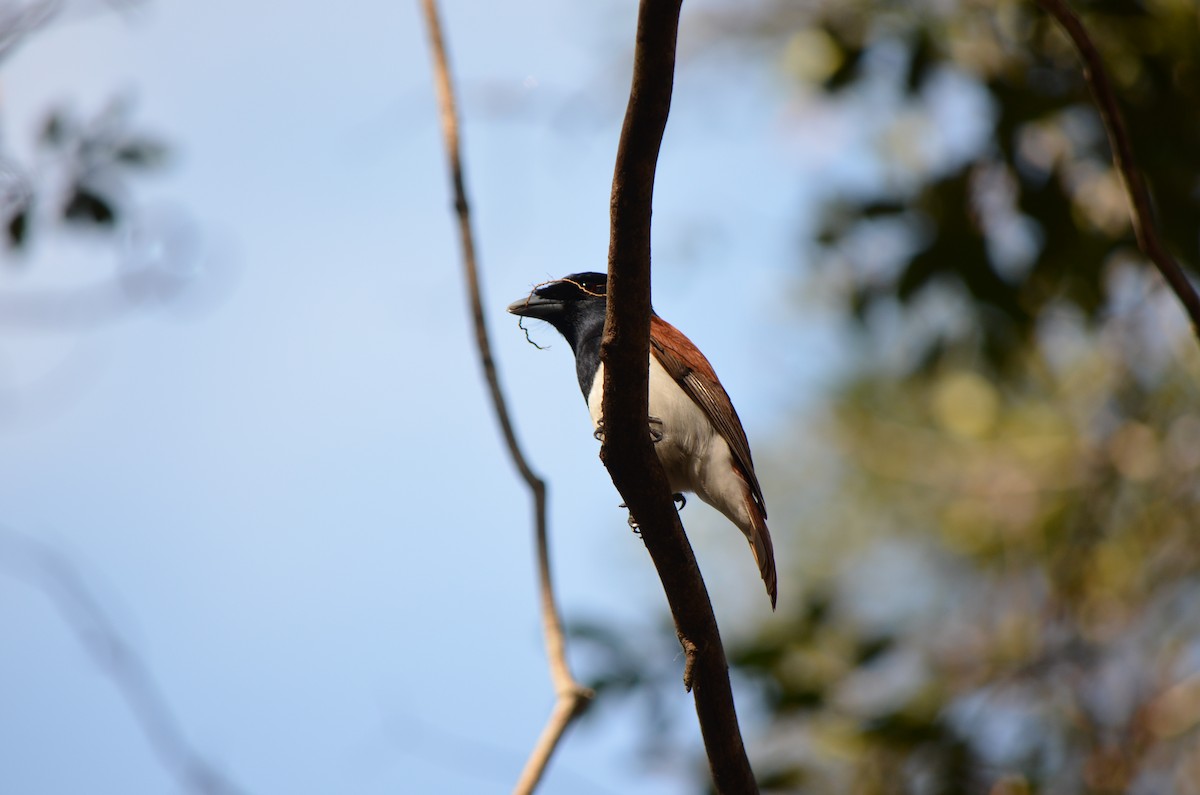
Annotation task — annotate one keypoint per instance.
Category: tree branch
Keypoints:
(572, 697)
(627, 450)
(53, 574)
(1141, 207)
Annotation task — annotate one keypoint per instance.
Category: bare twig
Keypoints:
(52, 573)
(1141, 207)
(572, 697)
(17, 22)
(627, 450)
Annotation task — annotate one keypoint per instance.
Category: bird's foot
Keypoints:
(633, 525)
(656, 431)
(637, 531)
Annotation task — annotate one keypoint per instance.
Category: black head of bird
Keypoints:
(698, 436)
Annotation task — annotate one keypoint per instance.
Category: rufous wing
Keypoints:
(684, 362)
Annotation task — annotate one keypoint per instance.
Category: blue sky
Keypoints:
(286, 487)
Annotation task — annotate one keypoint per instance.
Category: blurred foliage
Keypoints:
(1006, 598)
(1031, 218)
(79, 175)
(996, 583)
(77, 172)
(80, 244)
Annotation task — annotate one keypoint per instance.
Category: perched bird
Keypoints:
(697, 433)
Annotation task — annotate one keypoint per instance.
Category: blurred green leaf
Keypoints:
(142, 153)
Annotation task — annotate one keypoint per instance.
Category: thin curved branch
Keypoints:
(572, 697)
(1141, 207)
(17, 22)
(53, 574)
(627, 450)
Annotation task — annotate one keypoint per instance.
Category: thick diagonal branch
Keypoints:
(572, 697)
(627, 450)
(1141, 207)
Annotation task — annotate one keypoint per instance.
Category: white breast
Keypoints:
(693, 454)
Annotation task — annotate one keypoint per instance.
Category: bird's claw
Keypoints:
(637, 531)
(656, 431)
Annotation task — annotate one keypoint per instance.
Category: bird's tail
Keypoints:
(760, 544)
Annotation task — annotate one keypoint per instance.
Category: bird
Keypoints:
(696, 431)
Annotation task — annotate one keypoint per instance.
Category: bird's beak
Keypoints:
(536, 307)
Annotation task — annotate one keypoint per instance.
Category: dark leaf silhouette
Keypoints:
(18, 228)
(89, 208)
